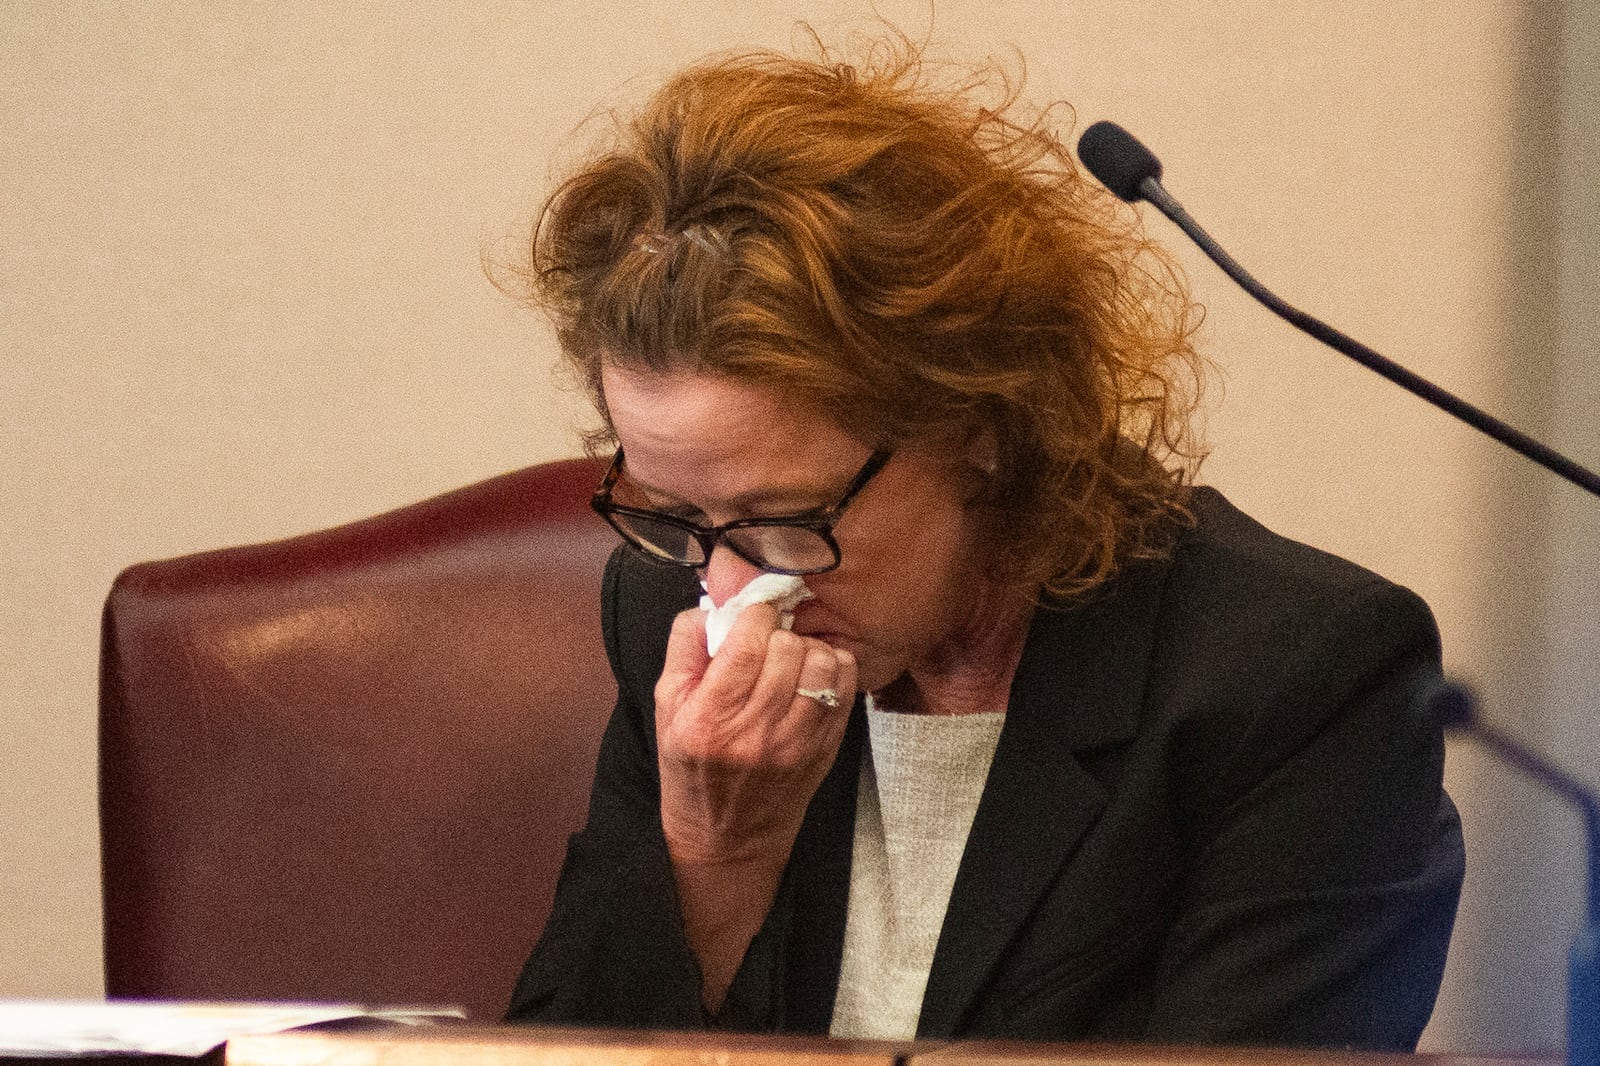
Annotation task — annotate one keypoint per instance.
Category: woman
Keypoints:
(1058, 746)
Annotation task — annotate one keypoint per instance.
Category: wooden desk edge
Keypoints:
(539, 1046)
(461, 1045)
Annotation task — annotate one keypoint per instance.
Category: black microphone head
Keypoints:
(1116, 157)
(1447, 702)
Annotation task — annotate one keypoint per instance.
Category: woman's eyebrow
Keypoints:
(792, 499)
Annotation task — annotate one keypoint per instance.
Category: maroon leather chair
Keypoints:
(345, 766)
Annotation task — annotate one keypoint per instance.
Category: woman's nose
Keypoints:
(726, 573)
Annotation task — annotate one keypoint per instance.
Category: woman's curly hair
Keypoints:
(907, 262)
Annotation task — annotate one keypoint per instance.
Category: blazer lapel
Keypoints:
(818, 890)
(1078, 687)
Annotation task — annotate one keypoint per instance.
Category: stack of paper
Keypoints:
(58, 1029)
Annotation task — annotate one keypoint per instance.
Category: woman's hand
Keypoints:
(741, 754)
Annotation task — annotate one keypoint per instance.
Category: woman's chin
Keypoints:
(872, 677)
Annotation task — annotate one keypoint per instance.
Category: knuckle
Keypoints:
(764, 612)
(820, 657)
(783, 642)
(746, 654)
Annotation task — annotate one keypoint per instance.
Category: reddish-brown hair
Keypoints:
(910, 263)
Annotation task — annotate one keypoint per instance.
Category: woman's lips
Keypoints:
(835, 640)
(811, 620)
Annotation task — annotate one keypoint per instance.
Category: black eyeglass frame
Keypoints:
(818, 520)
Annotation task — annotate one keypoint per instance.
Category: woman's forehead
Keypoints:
(680, 428)
(681, 406)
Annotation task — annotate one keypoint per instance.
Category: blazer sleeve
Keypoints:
(1324, 860)
(613, 952)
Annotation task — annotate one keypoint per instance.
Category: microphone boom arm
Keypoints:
(1152, 190)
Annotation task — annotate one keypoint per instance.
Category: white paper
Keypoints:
(56, 1028)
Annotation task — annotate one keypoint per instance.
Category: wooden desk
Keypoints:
(534, 1046)
(459, 1045)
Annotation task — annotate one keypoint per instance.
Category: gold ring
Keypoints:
(825, 696)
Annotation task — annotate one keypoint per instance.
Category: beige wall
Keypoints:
(240, 298)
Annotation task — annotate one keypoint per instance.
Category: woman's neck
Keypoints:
(972, 672)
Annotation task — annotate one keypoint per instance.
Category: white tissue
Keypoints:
(784, 591)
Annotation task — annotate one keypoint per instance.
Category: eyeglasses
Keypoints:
(783, 544)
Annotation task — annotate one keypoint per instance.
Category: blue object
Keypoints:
(1583, 993)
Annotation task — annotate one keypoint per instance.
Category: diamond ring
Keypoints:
(825, 696)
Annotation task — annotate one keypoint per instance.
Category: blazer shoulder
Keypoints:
(1230, 563)
(1264, 643)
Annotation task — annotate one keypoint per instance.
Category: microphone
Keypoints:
(1119, 160)
(1132, 172)
(1454, 706)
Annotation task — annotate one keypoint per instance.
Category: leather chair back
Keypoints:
(344, 767)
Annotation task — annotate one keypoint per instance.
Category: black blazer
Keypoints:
(1213, 816)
